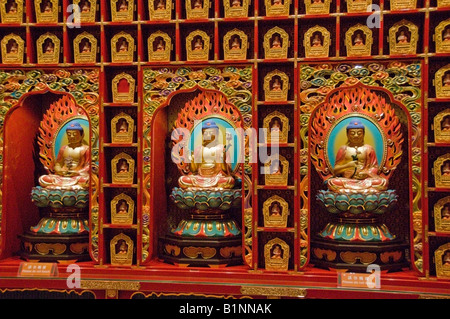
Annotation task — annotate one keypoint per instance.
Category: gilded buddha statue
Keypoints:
(72, 164)
(356, 166)
(208, 167)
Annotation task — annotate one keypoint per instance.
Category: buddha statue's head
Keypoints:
(210, 132)
(355, 133)
(75, 133)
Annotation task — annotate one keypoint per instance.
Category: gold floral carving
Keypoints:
(394, 255)
(113, 285)
(273, 291)
(79, 248)
(172, 250)
(403, 4)
(330, 255)
(227, 252)
(45, 249)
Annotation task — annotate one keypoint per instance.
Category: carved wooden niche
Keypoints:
(48, 49)
(442, 261)
(441, 127)
(11, 11)
(121, 247)
(276, 255)
(159, 47)
(441, 214)
(276, 43)
(317, 6)
(277, 7)
(276, 86)
(122, 10)
(442, 37)
(122, 128)
(122, 168)
(197, 9)
(197, 46)
(442, 82)
(13, 48)
(277, 125)
(403, 37)
(441, 171)
(403, 4)
(236, 8)
(46, 11)
(235, 45)
(358, 41)
(357, 6)
(317, 42)
(160, 9)
(122, 209)
(275, 211)
(88, 9)
(276, 171)
(123, 87)
(122, 47)
(85, 48)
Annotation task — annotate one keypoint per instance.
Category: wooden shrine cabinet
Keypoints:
(268, 68)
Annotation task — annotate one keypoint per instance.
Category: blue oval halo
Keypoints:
(61, 138)
(224, 127)
(338, 137)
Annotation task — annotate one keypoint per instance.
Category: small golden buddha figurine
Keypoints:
(48, 7)
(445, 126)
(276, 85)
(123, 6)
(123, 46)
(123, 166)
(198, 4)
(276, 253)
(12, 7)
(356, 166)
(123, 208)
(123, 248)
(276, 43)
(208, 165)
(235, 45)
(236, 3)
(402, 38)
(275, 210)
(317, 41)
(160, 46)
(123, 127)
(72, 163)
(86, 6)
(198, 45)
(276, 168)
(13, 48)
(446, 258)
(86, 47)
(446, 36)
(161, 5)
(446, 80)
(49, 47)
(445, 214)
(359, 41)
(276, 126)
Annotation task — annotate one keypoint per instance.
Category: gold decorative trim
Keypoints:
(108, 284)
(276, 86)
(127, 97)
(205, 252)
(12, 14)
(403, 37)
(329, 254)
(441, 217)
(159, 47)
(356, 6)
(85, 51)
(403, 4)
(273, 291)
(276, 43)
(235, 45)
(122, 10)
(442, 82)
(13, 48)
(317, 42)
(45, 248)
(443, 3)
(277, 7)
(351, 257)
(358, 40)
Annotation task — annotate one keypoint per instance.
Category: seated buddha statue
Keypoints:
(446, 80)
(446, 258)
(86, 47)
(198, 45)
(276, 86)
(358, 40)
(123, 6)
(12, 8)
(160, 46)
(123, 128)
(49, 48)
(236, 4)
(208, 167)
(356, 166)
(445, 126)
(402, 38)
(198, 4)
(14, 48)
(161, 5)
(235, 45)
(316, 42)
(86, 7)
(446, 36)
(276, 253)
(276, 43)
(123, 248)
(48, 7)
(445, 214)
(123, 209)
(72, 163)
(275, 210)
(277, 3)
